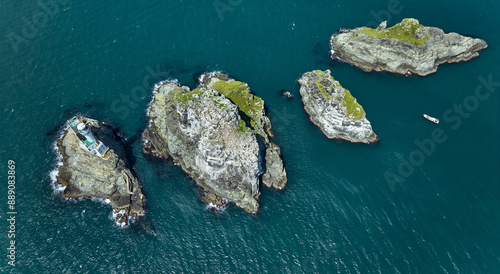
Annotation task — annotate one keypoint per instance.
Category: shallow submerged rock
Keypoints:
(88, 175)
(406, 48)
(219, 134)
(333, 109)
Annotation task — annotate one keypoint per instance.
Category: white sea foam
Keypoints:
(100, 200)
(218, 208)
(114, 217)
(157, 86)
(207, 75)
(132, 218)
(58, 188)
(332, 55)
(114, 213)
(156, 89)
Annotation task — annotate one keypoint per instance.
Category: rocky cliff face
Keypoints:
(219, 135)
(406, 48)
(87, 175)
(333, 109)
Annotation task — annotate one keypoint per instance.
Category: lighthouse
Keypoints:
(85, 131)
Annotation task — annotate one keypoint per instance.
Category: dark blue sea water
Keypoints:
(339, 212)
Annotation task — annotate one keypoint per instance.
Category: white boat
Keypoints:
(432, 119)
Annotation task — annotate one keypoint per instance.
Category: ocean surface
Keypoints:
(392, 207)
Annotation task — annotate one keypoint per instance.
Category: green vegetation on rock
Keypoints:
(239, 93)
(242, 127)
(323, 90)
(321, 86)
(404, 31)
(354, 110)
(182, 97)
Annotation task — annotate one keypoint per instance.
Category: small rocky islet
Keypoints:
(406, 48)
(84, 174)
(333, 108)
(220, 136)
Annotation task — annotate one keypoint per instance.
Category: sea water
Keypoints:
(339, 211)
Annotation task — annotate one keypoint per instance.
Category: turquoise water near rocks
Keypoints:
(338, 213)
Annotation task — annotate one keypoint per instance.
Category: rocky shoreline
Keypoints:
(219, 135)
(86, 175)
(333, 109)
(406, 48)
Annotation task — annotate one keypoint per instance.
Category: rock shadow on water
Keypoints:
(322, 56)
(56, 131)
(162, 169)
(95, 105)
(128, 144)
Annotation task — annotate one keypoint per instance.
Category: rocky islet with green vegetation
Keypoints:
(219, 134)
(406, 48)
(333, 108)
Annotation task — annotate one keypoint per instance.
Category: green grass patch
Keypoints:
(242, 127)
(239, 93)
(323, 90)
(404, 31)
(183, 98)
(321, 86)
(354, 110)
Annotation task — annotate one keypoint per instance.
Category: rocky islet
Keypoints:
(85, 175)
(333, 108)
(406, 48)
(219, 134)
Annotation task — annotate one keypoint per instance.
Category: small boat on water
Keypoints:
(432, 119)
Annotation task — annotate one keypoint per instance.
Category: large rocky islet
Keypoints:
(220, 135)
(406, 48)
